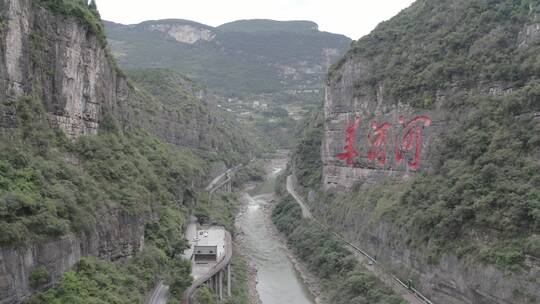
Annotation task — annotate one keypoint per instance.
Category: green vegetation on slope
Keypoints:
(252, 172)
(485, 178)
(50, 186)
(344, 280)
(204, 127)
(43, 196)
(306, 156)
(169, 88)
(235, 62)
(435, 44)
(478, 196)
(84, 12)
(95, 281)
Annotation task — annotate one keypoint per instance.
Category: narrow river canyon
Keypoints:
(277, 279)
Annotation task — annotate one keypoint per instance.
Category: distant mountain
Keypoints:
(237, 58)
(265, 25)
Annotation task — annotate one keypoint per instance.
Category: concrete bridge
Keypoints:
(223, 182)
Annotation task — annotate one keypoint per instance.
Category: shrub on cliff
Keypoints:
(81, 10)
(39, 277)
(306, 156)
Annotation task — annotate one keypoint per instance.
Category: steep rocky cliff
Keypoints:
(405, 75)
(429, 149)
(59, 60)
(117, 236)
(85, 169)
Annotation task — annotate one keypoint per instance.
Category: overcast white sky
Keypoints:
(354, 18)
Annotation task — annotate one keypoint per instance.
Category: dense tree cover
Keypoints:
(276, 130)
(435, 45)
(95, 281)
(205, 296)
(50, 186)
(485, 178)
(252, 172)
(306, 156)
(220, 135)
(482, 175)
(344, 280)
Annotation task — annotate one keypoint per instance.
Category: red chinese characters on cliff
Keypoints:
(350, 138)
(407, 142)
(411, 140)
(377, 142)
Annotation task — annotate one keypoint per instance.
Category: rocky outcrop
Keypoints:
(184, 33)
(390, 139)
(116, 236)
(57, 59)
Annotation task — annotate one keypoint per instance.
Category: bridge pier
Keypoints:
(215, 283)
(221, 285)
(229, 283)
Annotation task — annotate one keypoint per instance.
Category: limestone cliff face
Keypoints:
(58, 60)
(388, 140)
(116, 236)
(392, 138)
(183, 33)
(451, 280)
(371, 133)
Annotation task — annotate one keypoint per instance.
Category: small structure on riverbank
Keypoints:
(212, 254)
(205, 254)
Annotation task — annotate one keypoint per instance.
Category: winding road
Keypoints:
(290, 188)
(411, 296)
(160, 295)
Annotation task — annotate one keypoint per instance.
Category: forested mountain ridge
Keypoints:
(266, 25)
(87, 174)
(185, 114)
(242, 58)
(430, 149)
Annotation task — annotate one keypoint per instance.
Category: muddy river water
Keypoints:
(278, 280)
